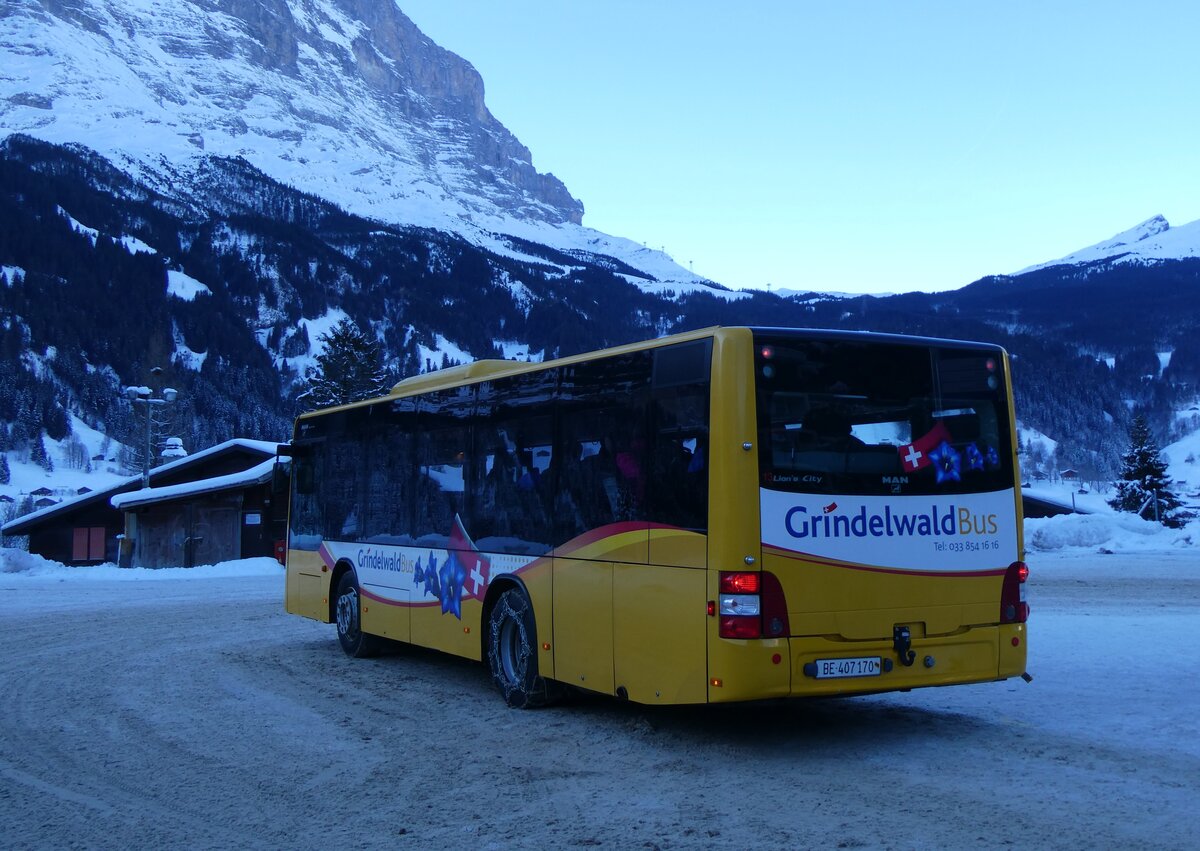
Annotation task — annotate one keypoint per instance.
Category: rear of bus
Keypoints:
(889, 513)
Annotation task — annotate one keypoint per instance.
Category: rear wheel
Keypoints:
(512, 653)
(348, 609)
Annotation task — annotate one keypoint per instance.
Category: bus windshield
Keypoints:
(853, 416)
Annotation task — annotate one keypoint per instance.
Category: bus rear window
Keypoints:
(864, 417)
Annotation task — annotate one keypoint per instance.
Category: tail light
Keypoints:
(739, 605)
(1013, 607)
(751, 605)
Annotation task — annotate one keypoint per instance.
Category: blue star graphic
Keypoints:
(974, 457)
(993, 457)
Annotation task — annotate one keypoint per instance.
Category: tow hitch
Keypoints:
(902, 643)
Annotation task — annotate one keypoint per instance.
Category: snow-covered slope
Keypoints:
(1151, 241)
(345, 99)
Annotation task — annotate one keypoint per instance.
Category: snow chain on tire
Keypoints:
(512, 653)
(348, 612)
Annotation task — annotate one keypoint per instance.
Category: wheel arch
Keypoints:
(339, 570)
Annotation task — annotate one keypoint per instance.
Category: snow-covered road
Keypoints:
(143, 710)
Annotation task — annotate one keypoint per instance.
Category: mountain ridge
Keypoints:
(1151, 241)
(119, 255)
(229, 287)
(309, 91)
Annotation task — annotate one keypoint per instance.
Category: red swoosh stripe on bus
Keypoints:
(600, 533)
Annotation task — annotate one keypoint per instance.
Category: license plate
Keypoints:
(861, 666)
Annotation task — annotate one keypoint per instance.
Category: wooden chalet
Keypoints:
(222, 503)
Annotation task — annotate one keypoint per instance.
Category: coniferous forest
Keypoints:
(86, 308)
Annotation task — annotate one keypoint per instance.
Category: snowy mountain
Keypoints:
(208, 186)
(1153, 241)
(343, 99)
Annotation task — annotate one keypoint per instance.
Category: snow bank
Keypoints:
(18, 561)
(1115, 532)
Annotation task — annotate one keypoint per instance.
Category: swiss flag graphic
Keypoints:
(475, 563)
(915, 455)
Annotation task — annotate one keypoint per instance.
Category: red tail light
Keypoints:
(1013, 608)
(751, 605)
(739, 583)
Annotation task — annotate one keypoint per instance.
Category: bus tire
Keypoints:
(348, 609)
(512, 653)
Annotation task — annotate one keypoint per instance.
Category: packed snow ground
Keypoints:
(183, 708)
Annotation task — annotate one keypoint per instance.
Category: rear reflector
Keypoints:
(740, 627)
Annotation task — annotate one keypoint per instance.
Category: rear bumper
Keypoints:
(750, 670)
(977, 654)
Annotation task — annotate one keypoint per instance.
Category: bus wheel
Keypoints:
(348, 608)
(512, 653)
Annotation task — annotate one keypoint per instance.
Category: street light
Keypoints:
(145, 396)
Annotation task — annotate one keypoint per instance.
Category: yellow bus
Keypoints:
(723, 515)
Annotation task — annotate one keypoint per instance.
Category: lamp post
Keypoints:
(145, 396)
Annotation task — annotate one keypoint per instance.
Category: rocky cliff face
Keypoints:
(345, 99)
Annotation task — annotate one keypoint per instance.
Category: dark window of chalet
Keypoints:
(87, 543)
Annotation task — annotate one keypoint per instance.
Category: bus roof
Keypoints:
(481, 370)
(484, 369)
(875, 336)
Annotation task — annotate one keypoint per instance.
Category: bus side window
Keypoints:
(388, 481)
(511, 483)
(603, 470)
(443, 455)
(678, 494)
(305, 530)
(340, 487)
(603, 442)
(305, 482)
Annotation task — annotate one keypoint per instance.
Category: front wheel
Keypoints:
(512, 653)
(348, 608)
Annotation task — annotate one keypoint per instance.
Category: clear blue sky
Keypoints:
(853, 146)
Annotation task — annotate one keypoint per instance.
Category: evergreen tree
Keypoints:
(350, 369)
(5, 474)
(38, 454)
(1144, 480)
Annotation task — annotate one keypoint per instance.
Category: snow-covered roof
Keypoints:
(255, 475)
(265, 447)
(16, 525)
